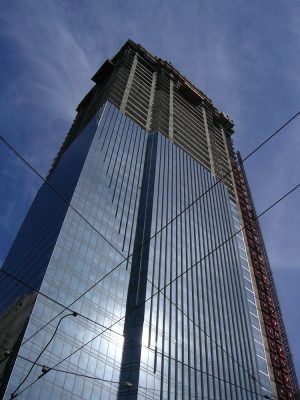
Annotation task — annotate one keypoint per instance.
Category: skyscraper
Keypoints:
(131, 277)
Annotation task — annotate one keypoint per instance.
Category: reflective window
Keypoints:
(193, 335)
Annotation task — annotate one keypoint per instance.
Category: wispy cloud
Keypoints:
(54, 57)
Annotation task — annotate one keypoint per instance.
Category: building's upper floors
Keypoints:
(159, 98)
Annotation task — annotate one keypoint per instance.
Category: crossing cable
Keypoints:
(62, 197)
(85, 220)
(42, 351)
(46, 369)
(156, 233)
(65, 308)
(168, 284)
(8, 352)
(148, 240)
(102, 326)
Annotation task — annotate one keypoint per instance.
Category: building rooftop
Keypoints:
(195, 95)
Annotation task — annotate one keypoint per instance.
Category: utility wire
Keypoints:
(13, 395)
(65, 308)
(155, 234)
(172, 220)
(128, 384)
(218, 181)
(102, 326)
(188, 269)
(34, 170)
(62, 197)
(171, 282)
(206, 373)
(44, 368)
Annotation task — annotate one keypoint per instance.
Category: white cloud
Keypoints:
(55, 59)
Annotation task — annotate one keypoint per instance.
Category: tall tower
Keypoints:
(130, 277)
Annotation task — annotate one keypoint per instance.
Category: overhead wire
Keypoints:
(156, 233)
(8, 352)
(65, 308)
(62, 197)
(120, 334)
(128, 384)
(147, 347)
(113, 331)
(41, 352)
(172, 281)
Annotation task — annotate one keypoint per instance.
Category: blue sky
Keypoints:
(243, 54)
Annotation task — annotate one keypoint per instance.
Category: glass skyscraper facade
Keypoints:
(147, 289)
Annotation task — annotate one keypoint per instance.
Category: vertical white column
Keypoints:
(227, 153)
(171, 111)
(129, 83)
(151, 101)
(211, 160)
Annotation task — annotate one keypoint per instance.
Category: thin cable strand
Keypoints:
(171, 282)
(148, 240)
(85, 376)
(40, 354)
(175, 305)
(68, 203)
(154, 235)
(65, 308)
